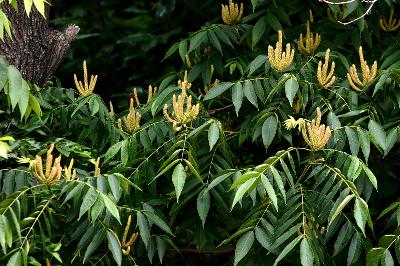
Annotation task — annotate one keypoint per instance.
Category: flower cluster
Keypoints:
(53, 170)
(131, 121)
(389, 24)
(310, 43)
(316, 135)
(183, 114)
(87, 87)
(326, 80)
(68, 172)
(368, 74)
(126, 245)
(279, 60)
(293, 123)
(151, 92)
(231, 13)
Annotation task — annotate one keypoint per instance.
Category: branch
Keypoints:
(370, 2)
(214, 111)
(203, 251)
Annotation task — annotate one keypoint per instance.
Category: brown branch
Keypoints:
(203, 251)
(215, 111)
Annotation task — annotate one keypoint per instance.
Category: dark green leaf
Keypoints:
(243, 246)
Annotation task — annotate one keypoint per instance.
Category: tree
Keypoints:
(33, 46)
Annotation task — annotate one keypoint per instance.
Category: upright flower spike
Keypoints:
(326, 80)
(182, 116)
(231, 13)
(310, 43)
(87, 87)
(279, 60)
(97, 167)
(368, 74)
(151, 92)
(53, 169)
(390, 24)
(210, 85)
(316, 135)
(126, 245)
(68, 173)
(131, 121)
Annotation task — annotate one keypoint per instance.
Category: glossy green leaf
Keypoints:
(242, 190)
(360, 214)
(144, 229)
(353, 140)
(111, 207)
(88, 200)
(364, 142)
(270, 191)
(306, 253)
(377, 134)
(217, 90)
(203, 205)
(237, 96)
(291, 88)
(340, 208)
(287, 249)
(178, 179)
(213, 134)
(243, 246)
(114, 247)
(269, 130)
(250, 93)
(354, 249)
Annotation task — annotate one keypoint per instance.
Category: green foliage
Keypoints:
(248, 177)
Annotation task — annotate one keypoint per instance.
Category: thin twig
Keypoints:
(370, 2)
(203, 251)
(214, 111)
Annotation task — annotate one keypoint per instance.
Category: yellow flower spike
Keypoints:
(69, 174)
(311, 16)
(390, 24)
(87, 87)
(53, 169)
(131, 121)
(111, 109)
(187, 60)
(126, 246)
(128, 224)
(185, 84)
(151, 92)
(38, 169)
(325, 79)
(293, 123)
(183, 110)
(49, 159)
(279, 60)
(315, 134)
(368, 74)
(310, 43)
(97, 167)
(231, 13)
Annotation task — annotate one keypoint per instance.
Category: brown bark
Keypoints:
(35, 48)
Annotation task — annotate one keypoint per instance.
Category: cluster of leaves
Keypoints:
(240, 179)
